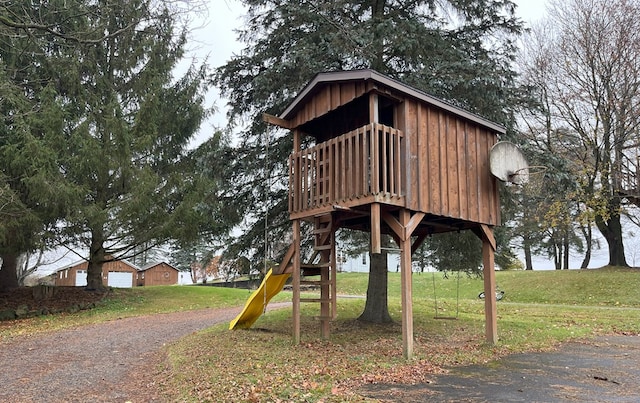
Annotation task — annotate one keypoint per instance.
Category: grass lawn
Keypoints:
(128, 302)
(540, 310)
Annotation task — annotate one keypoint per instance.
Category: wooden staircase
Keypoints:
(318, 272)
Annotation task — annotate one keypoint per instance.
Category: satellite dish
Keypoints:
(508, 163)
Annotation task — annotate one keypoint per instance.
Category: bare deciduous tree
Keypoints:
(585, 63)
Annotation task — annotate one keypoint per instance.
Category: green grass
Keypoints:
(129, 302)
(163, 299)
(540, 310)
(606, 286)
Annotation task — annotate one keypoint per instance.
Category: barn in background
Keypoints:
(117, 273)
(157, 274)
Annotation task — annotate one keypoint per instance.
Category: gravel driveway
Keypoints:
(107, 362)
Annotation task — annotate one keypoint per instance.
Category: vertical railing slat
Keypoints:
(397, 161)
(316, 178)
(292, 182)
(385, 159)
(391, 156)
(375, 160)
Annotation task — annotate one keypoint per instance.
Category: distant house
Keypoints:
(211, 272)
(116, 273)
(157, 274)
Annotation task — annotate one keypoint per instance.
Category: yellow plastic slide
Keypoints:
(271, 285)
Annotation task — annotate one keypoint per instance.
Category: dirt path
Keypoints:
(107, 362)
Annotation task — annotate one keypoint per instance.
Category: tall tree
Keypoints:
(126, 122)
(586, 64)
(458, 50)
(33, 196)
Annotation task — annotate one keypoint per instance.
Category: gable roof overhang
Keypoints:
(152, 265)
(322, 79)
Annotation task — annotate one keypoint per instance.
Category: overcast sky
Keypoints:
(214, 37)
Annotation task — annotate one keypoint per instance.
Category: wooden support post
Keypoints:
(325, 295)
(490, 303)
(296, 282)
(376, 242)
(402, 229)
(296, 140)
(334, 273)
(373, 107)
(406, 291)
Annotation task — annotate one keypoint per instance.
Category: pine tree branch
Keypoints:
(4, 20)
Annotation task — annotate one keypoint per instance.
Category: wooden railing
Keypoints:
(364, 162)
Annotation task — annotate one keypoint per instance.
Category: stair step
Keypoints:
(314, 300)
(322, 247)
(315, 265)
(315, 282)
(311, 271)
(321, 230)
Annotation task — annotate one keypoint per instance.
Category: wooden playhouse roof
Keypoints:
(367, 75)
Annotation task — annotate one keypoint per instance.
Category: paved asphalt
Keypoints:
(606, 369)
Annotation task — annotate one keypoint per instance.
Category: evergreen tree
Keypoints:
(33, 195)
(460, 51)
(118, 126)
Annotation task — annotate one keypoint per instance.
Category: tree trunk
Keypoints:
(376, 309)
(377, 16)
(526, 245)
(8, 276)
(588, 238)
(96, 260)
(565, 246)
(557, 255)
(612, 232)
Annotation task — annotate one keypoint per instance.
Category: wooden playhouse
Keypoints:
(387, 159)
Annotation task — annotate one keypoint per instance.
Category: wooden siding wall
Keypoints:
(161, 274)
(70, 279)
(329, 98)
(66, 277)
(448, 169)
(118, 266)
